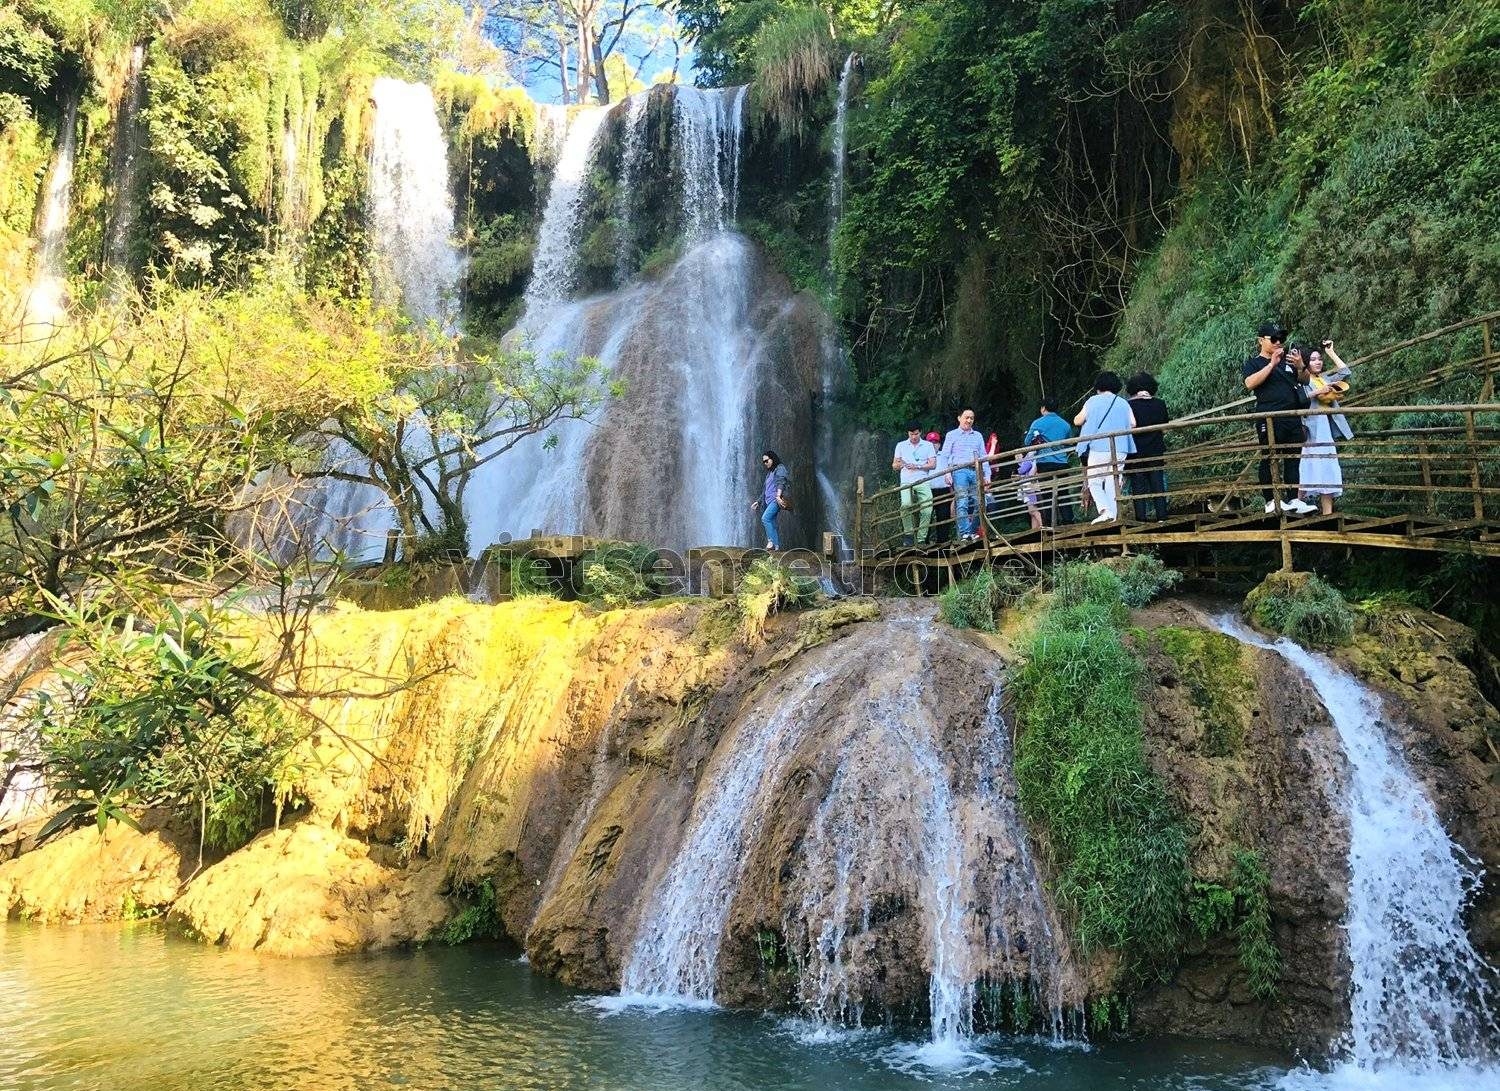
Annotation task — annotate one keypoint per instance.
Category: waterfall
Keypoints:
(914, 810)
(707, 130)
(834, 364)
(411, 207)
(684, 347)
(46, 301)
(1422, 1006)
(555, 264)
(630, 167)
(674, 958)
(124, 162)
(840, 154)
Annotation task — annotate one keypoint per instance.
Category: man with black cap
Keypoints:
(1276, 384)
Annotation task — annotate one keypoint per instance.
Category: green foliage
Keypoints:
(1118, 845)
(1143, 577)
(769, 587)
(976, 603)
(165, 714)
(620, 575)
(1244, 908)
(1303, 607)
(794, 56)
(1085, 583)
(480, 919)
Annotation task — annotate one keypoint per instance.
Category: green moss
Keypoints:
(1213, 667)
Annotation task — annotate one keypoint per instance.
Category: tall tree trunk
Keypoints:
(601, 78)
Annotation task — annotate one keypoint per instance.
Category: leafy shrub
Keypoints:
(617, 575)
(1303, 607)
(1243, 908)
(166, 715)
(769, 588)
(975, 603)
(1120, 848)
(480, 919)
(1083, 582)
(1143, 577)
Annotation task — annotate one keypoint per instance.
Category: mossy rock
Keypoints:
(1301, 606)
(1219, 681)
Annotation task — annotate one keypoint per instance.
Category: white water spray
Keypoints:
(47, 300)
(411, 208)
(555, 266)
(630, 167)
(840, 154)
(1422, 1009)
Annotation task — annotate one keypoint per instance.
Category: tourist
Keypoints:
(1048, 504)
(916, 459)
(1103, 413)
(962, 448)
(1276, 384)
(1144, 469)
(1320, 474)
(942, 496)
(773, 500)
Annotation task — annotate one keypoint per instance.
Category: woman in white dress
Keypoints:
(1322, 476)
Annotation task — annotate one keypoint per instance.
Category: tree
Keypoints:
(434, 419)
(581, 42)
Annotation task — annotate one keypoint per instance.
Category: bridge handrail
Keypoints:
(1016, 454)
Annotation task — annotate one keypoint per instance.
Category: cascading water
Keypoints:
(1423, 1008)
(555, 265)
(411, 208)
(682, 345)
(909, 815)
(124, 161)
(834, 364)
(630, 168)
(840, 153)
(46, 301)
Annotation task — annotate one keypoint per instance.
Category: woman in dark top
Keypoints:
(1148, 482)
(773, 500)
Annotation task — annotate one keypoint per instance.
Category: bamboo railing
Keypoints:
(1414, 477)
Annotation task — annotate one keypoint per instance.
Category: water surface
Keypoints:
(132, 1009)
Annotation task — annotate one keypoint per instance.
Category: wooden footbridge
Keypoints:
(1421, 473)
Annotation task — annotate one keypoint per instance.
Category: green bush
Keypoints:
(767, 588)
(1119, 846)
(1077, 583)
(480, 919)
(618, 575)
(975, 603)
(1143, 577)
(1302, 607)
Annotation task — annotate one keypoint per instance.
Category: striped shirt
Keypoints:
(961, 448)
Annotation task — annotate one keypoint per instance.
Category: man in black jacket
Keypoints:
(1276, 383)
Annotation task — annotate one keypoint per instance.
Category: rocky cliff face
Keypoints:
(834, 803)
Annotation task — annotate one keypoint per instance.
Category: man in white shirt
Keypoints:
(916, 459)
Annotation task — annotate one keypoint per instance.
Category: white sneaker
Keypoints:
(1104, 519)
(1270, 507)
(1298, 507)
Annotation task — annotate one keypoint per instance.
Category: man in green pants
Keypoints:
(916, 458)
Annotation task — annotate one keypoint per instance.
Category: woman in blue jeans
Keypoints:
(772, 500)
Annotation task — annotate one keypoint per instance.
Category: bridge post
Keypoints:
(1474, 478)
(859, 519)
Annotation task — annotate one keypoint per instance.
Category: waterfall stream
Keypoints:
(912, 814)
(1422, 1006)
(417, 266)
(47, 299)
(124, 164)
